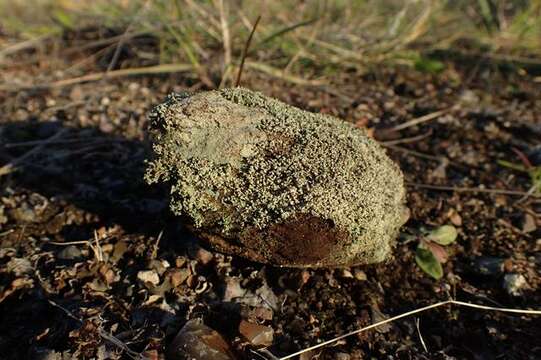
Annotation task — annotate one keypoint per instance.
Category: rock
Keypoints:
(19, 266)
(514, 284)
(179, 276)
(70, 252)
(528, 224)
(377, 316)
(201, 255)
(258, 335)
(197, 341)
(261, 179)
(149, 276)
(360, 275)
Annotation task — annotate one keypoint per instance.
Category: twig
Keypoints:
(245, 51)
(23, 45)
(67, 243)
(467, 189)
(408, 139)
(529, 193)
(98, 251)
(156, 246)
(409, 313)
(106, 41)
(416, 153)
(420, 120)
(12, 166)
(158, 69)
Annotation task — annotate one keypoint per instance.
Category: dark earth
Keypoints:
(78, 223)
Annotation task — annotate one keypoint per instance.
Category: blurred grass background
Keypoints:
(299, 41)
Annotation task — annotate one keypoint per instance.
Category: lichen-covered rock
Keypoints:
(261, 179)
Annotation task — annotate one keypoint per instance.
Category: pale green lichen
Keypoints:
(236, 159)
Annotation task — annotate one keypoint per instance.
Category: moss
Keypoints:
(238, 161)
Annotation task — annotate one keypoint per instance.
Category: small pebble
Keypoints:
(258, 335)
(196, 341)
(149, 276)
(70, 252)
(514, 284)
(19, 266)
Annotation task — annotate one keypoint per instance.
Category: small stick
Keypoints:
(408, 139)
(420, 120)
(154, 254)
(68, 243)
(245, 51)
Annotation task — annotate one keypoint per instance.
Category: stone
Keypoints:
(197, 341)
(257, 335)
(514, 284)
(258, 178)
(19, 266)
(70, 252)
(529, 224)
(149, 276)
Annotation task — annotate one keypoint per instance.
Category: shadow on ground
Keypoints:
(99, 173)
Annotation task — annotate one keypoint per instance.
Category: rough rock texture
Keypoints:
(273, 183)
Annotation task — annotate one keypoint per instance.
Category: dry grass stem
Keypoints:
(408, 140)
(467, 189)
(409, 313)
(277, 73)
(420, 119)
(245, 51)
(158, 69)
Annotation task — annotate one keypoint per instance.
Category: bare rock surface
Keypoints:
(267, 181)
(196, 341)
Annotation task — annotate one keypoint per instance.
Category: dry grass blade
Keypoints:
(245, 51)
(285, 31)
(225, 32)
(467, 189)
(23, 45)
(408, 140)
(409, 313)
(420, 335)
(158, 69)
(420, 119)
(269, 70)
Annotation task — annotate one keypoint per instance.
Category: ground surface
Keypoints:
(78, 224)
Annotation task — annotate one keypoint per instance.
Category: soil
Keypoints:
(78, 225)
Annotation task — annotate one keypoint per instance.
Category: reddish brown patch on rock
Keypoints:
(305, 240)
